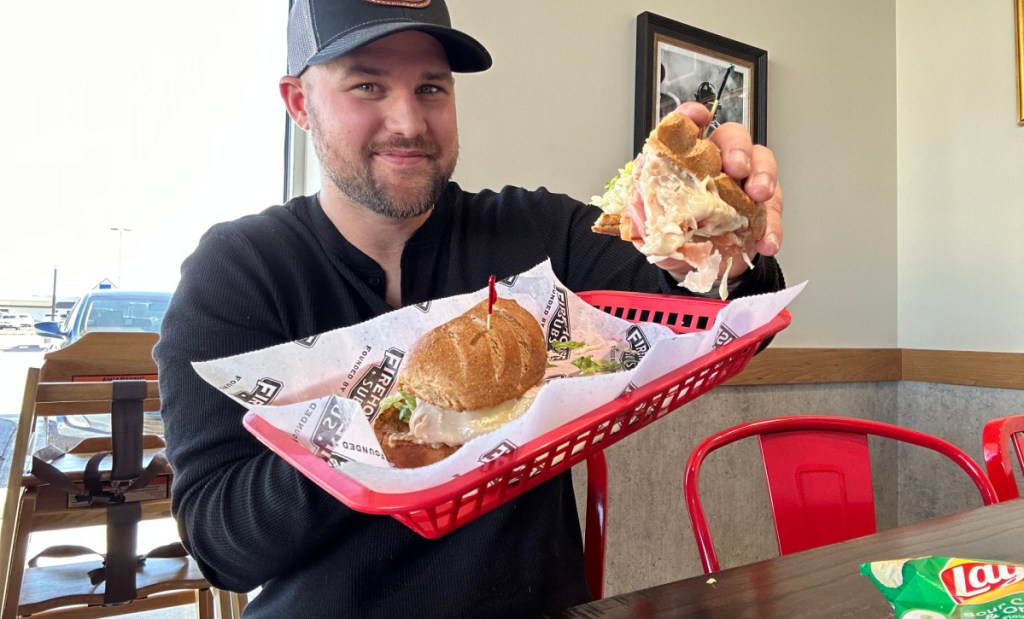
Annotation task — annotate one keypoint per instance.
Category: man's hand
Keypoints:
(753, 166)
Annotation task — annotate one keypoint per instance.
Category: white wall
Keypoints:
(557, 110)
(894, 122)
(961, 161)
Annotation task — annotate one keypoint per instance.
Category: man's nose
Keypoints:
(405, 116)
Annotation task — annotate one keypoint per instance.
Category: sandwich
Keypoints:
(691, 210)
(460, 380)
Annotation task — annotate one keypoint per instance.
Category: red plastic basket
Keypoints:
(436, 511)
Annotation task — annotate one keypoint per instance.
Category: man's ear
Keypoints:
(294, 94)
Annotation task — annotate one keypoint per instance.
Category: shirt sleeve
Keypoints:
(245, 514)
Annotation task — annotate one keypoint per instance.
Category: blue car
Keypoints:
(109, 310)
(102, 310)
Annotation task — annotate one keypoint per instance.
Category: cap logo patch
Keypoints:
(414, 4)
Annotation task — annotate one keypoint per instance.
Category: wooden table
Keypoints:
(824, 582)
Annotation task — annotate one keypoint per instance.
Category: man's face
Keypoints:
(383, 123)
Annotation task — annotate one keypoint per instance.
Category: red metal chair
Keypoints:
(996, 438)
(597, 523)
(819, 478)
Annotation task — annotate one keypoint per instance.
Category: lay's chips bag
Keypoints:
(947, 588)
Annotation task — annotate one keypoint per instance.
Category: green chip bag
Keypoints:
(948, 588)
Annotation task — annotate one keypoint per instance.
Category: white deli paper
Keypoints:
(324, 390)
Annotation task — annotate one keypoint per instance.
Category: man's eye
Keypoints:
(366, 87)
(430, 90)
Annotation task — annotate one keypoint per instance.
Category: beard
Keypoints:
(356, 179)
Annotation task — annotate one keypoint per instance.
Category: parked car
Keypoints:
(9, 320)
(103, 310)
(109, 310)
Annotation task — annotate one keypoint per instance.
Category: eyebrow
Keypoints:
(428, 76)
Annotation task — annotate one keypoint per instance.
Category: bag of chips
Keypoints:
(950, 588)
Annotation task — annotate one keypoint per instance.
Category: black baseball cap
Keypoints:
(321, 30)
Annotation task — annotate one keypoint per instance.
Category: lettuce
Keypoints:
(616, 192)
(404, 402)
(588, 365)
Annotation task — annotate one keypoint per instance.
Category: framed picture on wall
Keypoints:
(677, 63)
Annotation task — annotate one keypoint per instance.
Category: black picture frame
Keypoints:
(675, 62)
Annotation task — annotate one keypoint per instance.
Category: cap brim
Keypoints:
(465, 54)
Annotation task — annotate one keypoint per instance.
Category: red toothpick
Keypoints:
(492, 297)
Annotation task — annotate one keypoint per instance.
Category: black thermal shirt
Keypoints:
(252, 520)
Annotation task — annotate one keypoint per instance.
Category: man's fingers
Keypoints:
(761, 183)
(696, 111)
(770, 244)
(734, 141)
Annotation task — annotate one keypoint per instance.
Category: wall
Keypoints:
(865, 174)
(649, 537)
(960, 159)
(556, 110)
(894, 123)
(878, 211)
(957, 414)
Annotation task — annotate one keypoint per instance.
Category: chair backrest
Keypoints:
(818, 471)
(71, 381)
(99, 357)
(102, 356)
(996, 439)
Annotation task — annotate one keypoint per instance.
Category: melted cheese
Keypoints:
(433, 424)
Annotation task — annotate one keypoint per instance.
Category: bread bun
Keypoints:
(678, 138)
(462, 365)
(757, 216)
(401, 448)
(609, 223)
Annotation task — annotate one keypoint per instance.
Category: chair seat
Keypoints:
(73, 465)
(52, 503)
(55, 586)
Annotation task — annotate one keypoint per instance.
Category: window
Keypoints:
(131, 127)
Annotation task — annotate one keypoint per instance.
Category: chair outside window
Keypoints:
(818, 471)
(997, 437)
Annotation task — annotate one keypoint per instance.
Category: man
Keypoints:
(371, 80)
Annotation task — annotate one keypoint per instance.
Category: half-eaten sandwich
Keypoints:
(692, 210)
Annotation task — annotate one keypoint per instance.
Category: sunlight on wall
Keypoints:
(159, 118)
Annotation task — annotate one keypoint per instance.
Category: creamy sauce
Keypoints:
(679, 206)
(433, 424)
